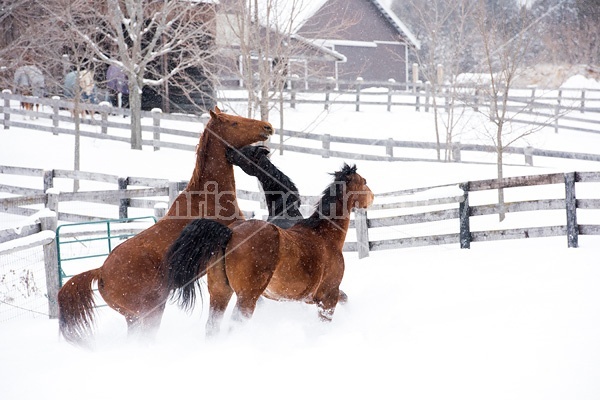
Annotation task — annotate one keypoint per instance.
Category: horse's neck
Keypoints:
(334, 228)
(213, 170)
(212, 185)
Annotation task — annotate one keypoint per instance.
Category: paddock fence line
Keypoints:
(456, 210)
(157, 130)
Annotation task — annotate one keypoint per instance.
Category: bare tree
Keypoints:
(260, 46)
(445, 28)
(153, 42)
(504, 52)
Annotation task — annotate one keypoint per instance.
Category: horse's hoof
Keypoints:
(343, 297)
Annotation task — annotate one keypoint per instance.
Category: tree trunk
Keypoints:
(135, 105)
(500, 170)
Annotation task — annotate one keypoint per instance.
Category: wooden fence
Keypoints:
(57, 122)
(530, 105)
(454, 209)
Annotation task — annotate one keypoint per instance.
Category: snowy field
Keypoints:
(503, 320)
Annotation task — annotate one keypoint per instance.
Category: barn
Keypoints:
(373, 40)
(320, 39)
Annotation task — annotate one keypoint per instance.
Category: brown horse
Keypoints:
(132, 280)
(254, 258)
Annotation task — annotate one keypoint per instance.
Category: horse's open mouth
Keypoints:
(267, 132)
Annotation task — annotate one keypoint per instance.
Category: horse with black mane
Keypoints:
(281, 194)
(256, 258)
(133, 278)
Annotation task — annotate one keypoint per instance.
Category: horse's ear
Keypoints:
(217, 110)
(212, 114)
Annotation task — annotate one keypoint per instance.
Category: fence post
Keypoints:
(49, 223)
(173, 192)
(532, 100)
(389, 148)
(55, 115)
(427, 95)
(123, 202)
(528, 152)
(6, 108)
(326, 145)
(292, 85)
(415, 76)
(52, 198)
(328, 88)
(571, 206)
(391, 82)
(104, 116)
(362, 232)
(156, 113)
(463, 215)
(476, 100)
(456, 151)
(48, 179)
(557, 110)
(160, 210)
(582, 108)
(359, 81)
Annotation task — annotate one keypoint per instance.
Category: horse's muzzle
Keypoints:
(268, 131)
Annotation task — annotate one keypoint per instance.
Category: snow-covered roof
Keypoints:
(306, 11)
(298, 12)
(396, 23)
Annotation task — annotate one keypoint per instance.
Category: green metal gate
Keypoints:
(93, 241)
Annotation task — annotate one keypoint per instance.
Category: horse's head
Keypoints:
(248, 158)
(237, 131)
(358, 194)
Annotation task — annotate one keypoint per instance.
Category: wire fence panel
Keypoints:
(23, 285)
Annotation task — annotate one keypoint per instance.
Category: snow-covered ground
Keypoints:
(503, 320)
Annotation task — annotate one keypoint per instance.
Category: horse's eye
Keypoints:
(234, 124)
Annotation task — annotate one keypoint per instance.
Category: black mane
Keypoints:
(281, 194)
(331, 195)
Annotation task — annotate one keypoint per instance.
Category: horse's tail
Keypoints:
(76, 307)
(189, 257)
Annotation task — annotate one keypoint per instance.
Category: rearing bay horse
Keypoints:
(256, 258)
(132, 280)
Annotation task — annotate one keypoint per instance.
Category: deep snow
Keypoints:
(503, 320)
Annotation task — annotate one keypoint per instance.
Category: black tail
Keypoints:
(188, 257)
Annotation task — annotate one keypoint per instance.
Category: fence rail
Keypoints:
(553, 110)
(457, 212)
(164, 193)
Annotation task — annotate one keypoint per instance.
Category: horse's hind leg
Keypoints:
(145, 327)
(248, 291)
(245, 306)
(220, 293)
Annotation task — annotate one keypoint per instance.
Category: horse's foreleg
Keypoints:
(326, 304)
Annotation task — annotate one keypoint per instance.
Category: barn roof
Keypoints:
(314, 6)
(397, 23)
